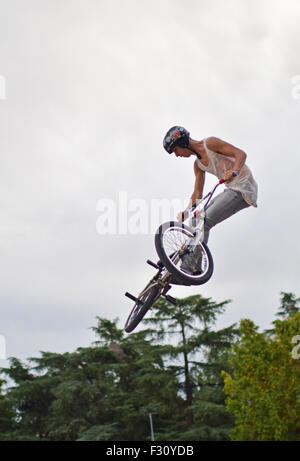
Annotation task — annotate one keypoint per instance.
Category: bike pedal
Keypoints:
(154, 265)
(133, 298)
(171, 299)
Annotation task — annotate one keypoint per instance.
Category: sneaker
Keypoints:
(191, 262)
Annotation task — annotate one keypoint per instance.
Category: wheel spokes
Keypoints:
(174, 240)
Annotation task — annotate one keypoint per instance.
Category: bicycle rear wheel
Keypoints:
(170, 239)
(145, 301)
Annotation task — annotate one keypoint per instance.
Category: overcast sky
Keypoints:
(91, 86)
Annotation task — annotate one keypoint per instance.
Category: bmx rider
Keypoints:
(223, 160)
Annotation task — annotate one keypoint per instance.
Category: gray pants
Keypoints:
(222, 207)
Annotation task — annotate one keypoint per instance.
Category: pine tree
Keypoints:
(197, 354)
(288, 305)
(103, 392)
(145, 384)
(108, 390)
(6, 414)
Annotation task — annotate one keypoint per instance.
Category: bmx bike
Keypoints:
(175, 243)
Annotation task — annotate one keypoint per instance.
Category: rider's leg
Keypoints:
(222, 207)
(172, 279)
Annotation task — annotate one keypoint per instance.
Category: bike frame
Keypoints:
(161, 279)
(194, 213)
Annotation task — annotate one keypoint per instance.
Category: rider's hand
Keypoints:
(180, 216)
(228, 175)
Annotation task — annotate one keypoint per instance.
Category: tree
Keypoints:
(106, 391)
(6, 413)
(288, 305)
(102, 392)
(145, 384)
(264, 388)
(197, 354)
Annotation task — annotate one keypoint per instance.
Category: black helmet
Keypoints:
(176, 136)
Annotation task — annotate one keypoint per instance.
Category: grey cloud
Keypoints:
(90, 94)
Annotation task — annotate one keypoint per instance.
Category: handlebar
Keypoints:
(186, 213)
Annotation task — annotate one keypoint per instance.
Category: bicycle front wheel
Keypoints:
(170, 239)
(145, 301)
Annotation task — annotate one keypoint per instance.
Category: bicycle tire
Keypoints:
(140, 309)
(165, 259)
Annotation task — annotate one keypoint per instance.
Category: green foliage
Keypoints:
(98, 433)
(106, 392)
(6, 413)
(264, 388)
(197, 355)
(174, 369)
(100, 393)
(288, 305)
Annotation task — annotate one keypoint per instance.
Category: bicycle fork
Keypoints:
(192, 243)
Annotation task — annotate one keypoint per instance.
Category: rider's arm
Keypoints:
(224, 148)
(198, 188)
(199, 185)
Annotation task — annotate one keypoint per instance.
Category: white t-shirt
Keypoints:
(244, 182)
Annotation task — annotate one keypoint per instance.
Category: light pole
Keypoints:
(151, 411)
(151, 427)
